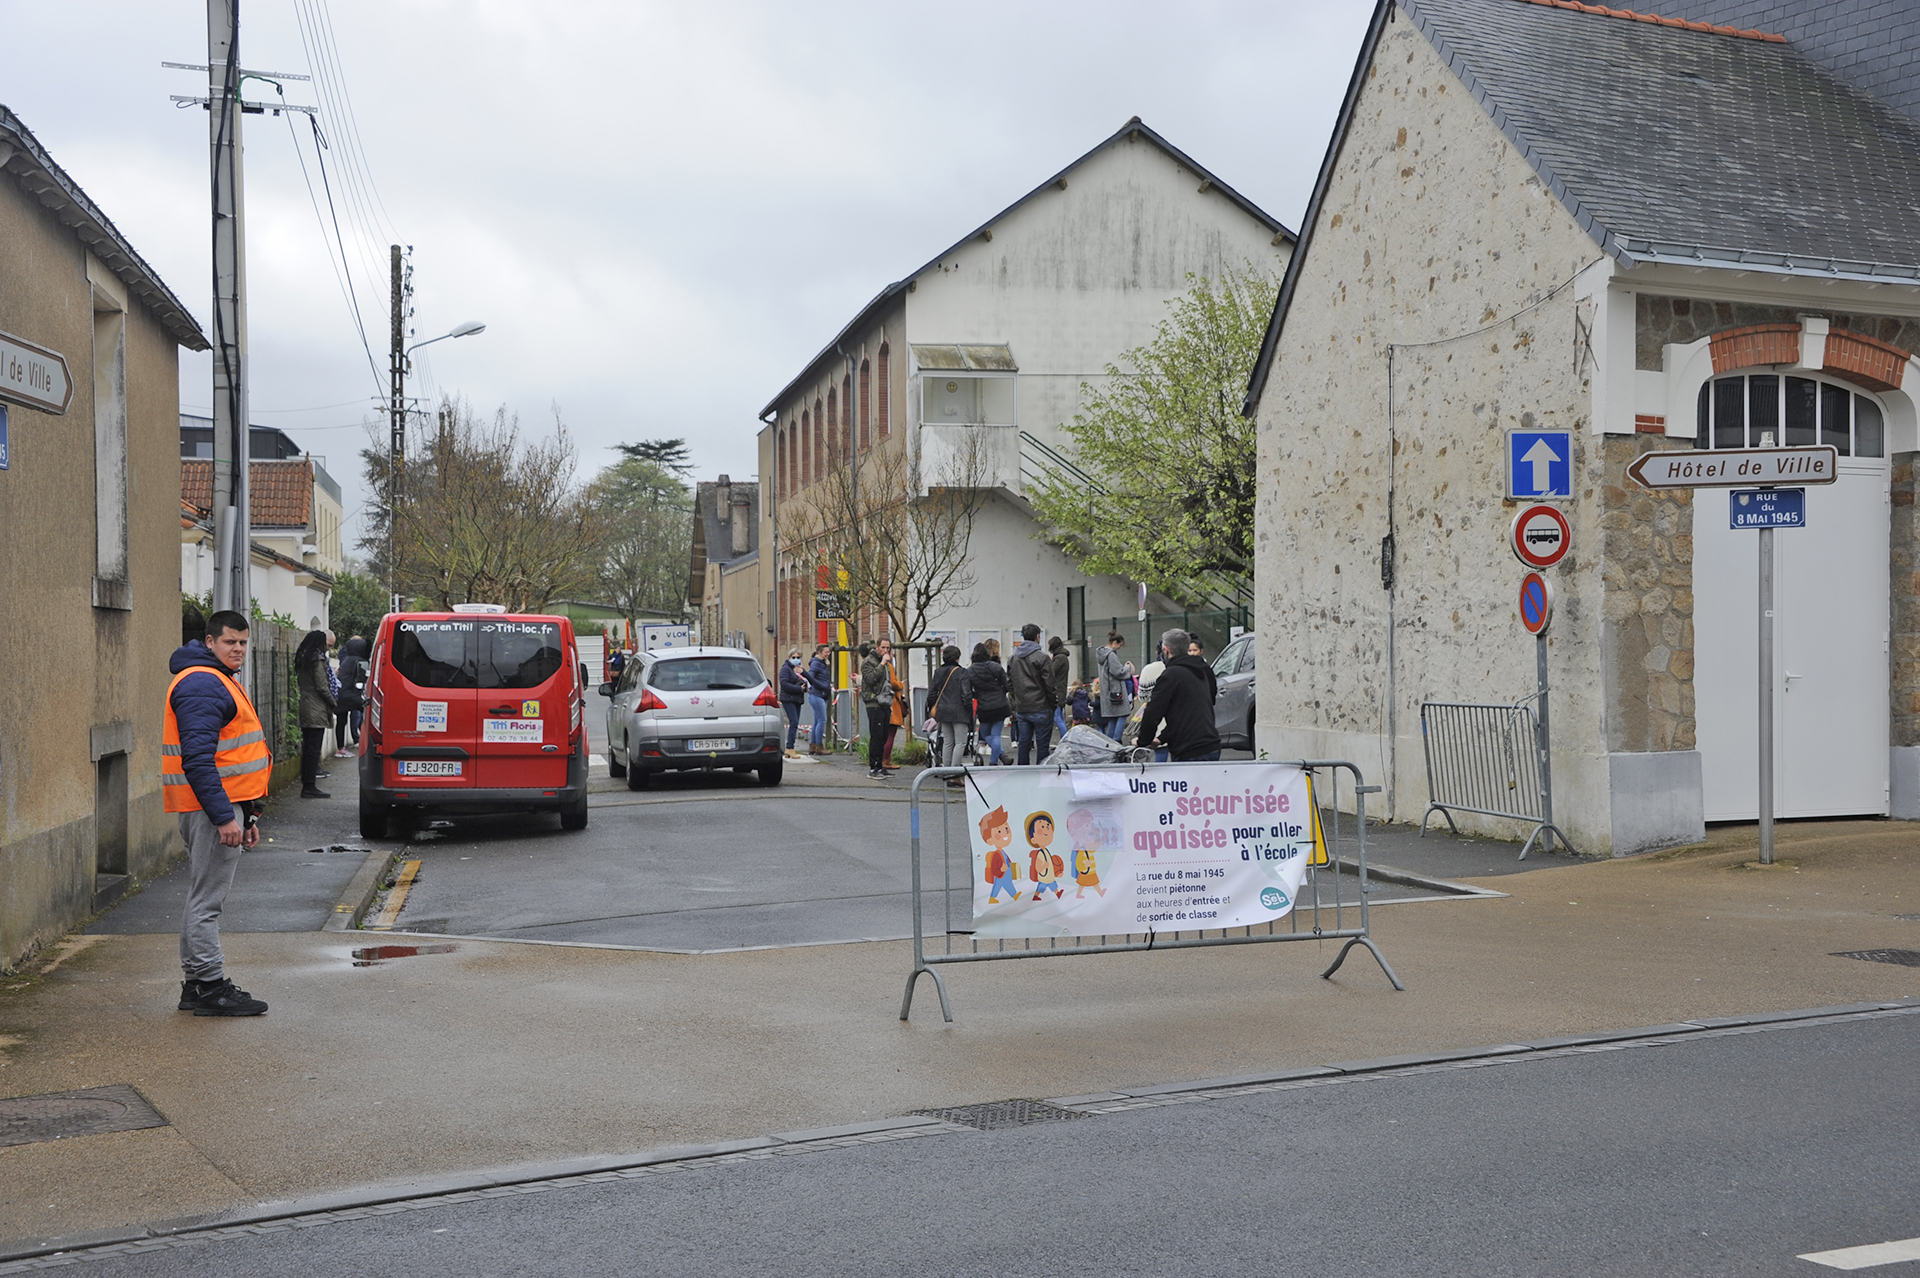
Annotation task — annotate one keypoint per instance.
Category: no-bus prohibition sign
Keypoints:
(1536, 603)
(1540, 536)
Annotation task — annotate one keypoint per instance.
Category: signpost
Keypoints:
(1536, 611)
(831, 605)
(33, 376)
(1540, 536)
(1764, 508)
(1539, 464)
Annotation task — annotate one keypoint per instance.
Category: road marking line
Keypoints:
(397, 898)
(1886, 1253)
(596, 760)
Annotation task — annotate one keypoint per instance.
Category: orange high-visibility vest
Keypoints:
(242, 758)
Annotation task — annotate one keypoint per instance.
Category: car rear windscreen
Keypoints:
(700, 674)
(519, 654)
(435, 654)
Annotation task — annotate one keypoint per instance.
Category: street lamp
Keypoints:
(397, 441)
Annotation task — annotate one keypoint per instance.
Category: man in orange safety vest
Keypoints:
(214, 768)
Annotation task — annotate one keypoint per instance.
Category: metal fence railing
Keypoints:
(1327, 909)
(1486, 759)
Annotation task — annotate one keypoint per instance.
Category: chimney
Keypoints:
(742, 518)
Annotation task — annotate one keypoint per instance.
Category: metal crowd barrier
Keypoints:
(1339, 919)
(1486, 759)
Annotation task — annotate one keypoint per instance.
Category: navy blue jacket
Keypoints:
(201, 707)
(819, 679)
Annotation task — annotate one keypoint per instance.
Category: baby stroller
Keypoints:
(1084, 744)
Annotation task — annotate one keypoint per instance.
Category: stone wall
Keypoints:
(1904, 642)
(1647, 626)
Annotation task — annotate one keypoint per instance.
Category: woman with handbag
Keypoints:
(951, 692)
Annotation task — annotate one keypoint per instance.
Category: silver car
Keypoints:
(678, 709)
(1233, 708)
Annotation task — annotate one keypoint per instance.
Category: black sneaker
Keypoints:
(313, 792)
(218, 998)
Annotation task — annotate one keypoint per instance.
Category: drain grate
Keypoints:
(1904, 958)
(28, 1120)
(995, 1115)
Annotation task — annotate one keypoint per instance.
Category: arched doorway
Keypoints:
(1831, 624)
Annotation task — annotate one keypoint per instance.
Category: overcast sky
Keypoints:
(659, 211)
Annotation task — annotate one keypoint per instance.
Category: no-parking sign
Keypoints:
(1536, 603)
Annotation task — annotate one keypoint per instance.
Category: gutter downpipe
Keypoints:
(1387, 579)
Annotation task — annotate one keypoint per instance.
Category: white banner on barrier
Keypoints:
(1167, 849)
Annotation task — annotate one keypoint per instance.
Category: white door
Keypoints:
(1831, 688)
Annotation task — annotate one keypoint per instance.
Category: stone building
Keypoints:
(724, 573)
(971, 363)
(1657, 233)
(89, 586)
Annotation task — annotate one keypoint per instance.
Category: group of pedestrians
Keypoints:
(1032, 690)
(331, 699)
(809, 684)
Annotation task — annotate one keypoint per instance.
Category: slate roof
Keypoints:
(279, 493)
(1670, 143)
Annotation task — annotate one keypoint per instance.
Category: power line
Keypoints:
(340, 274)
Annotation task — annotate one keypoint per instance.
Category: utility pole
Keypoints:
(397, 442)
(231, 524)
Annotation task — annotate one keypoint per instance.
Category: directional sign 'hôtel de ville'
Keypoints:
(1736, 467)
(34, 376)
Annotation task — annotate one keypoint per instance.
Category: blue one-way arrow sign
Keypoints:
(1539, 463)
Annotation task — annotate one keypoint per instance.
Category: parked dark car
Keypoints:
(1233, 708)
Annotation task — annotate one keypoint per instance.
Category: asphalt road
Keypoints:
(699, 863)
(1730, 1154)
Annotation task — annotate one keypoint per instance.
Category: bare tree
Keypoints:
(895, 529)
(491, 516)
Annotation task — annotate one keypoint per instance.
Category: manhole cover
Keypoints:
(1904, 958)
(994, 1115)
(28, 1120)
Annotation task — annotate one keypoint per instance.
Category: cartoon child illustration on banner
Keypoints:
(1047, 868)
(1001, 870)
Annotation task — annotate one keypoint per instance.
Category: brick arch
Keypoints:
(1865, 361)
(1754, 346)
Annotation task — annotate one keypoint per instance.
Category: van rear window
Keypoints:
(435, 654)
(523, 654)
(699, 674)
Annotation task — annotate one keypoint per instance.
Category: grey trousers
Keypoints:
(210, 866)
(953, 743)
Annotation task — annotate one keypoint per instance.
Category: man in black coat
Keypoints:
(1182, 700)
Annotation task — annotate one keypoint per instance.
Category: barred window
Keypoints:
(1737, 411)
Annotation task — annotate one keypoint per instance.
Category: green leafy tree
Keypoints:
(359, 601)
(1160, 487)
(645, 516)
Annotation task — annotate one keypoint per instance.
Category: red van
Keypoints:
(476, 710)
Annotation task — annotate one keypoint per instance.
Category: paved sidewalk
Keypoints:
(497, 1053)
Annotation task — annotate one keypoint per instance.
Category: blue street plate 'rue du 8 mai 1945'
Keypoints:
(1767, 508)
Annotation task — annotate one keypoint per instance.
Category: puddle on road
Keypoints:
(374, 955)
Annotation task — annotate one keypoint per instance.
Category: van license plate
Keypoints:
(429, 767)
(711, 743)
